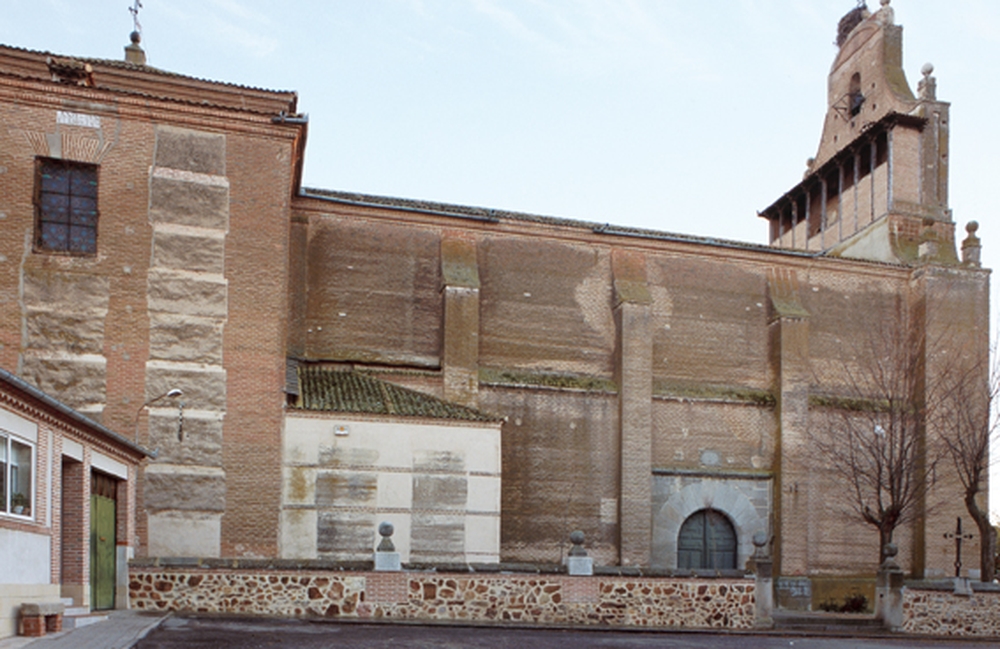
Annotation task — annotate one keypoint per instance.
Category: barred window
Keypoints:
(65, 207)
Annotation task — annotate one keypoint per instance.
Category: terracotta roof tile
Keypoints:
(331, 390)
(148, 81)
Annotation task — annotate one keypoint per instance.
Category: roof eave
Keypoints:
(74, 416)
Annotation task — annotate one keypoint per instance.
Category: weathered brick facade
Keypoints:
(643, 376)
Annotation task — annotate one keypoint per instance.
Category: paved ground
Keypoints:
(120, 631)
(220, 633)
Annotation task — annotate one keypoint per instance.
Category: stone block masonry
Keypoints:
(187, 293)
(546, 599)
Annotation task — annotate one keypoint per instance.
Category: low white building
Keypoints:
(64, 480)
(358, 451)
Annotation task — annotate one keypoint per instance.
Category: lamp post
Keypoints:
(173, 393)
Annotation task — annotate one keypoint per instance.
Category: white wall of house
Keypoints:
(25, 571)
(24, 575)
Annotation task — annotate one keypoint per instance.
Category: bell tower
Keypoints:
(877, 187)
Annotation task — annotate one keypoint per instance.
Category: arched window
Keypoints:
(707, 540)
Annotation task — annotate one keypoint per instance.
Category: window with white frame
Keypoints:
(17, 464)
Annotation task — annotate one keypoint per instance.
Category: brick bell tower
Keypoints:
(878, 186)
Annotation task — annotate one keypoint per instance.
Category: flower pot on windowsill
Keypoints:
(20, 504)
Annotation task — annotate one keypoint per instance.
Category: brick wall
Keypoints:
(75, 503)
(100, 327)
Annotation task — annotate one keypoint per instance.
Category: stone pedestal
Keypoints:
(889, 591)
(387, 561)
(963, 587)
(578, 563)
(764, 582)
(582, 566)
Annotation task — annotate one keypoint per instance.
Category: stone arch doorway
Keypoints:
(719, 495)
(707, 540)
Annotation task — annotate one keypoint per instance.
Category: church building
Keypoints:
(307, 363)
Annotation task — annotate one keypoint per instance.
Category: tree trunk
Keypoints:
(987, 539)
(988, 552)
(884, 538)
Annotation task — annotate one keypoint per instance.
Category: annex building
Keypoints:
(307, 363)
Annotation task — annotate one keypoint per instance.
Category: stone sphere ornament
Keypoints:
(386, 529)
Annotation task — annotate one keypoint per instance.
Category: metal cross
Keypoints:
(134, 10)
(959, 537)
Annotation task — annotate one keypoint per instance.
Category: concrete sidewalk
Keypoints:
(121, 630)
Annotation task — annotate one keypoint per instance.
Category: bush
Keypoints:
(855, 603)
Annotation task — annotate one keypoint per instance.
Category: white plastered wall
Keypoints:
(400, 466)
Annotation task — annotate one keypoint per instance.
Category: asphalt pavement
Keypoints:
(131, 629)
(230, 633)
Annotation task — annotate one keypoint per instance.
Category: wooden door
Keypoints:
(707, 540)
(103, 514)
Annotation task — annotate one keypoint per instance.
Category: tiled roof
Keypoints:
(347, 391)
(148, 81)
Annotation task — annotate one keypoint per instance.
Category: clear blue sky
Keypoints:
(682, 116)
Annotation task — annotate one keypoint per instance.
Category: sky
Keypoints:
(674, 115)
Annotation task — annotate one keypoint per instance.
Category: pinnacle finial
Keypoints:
(927, 87)
(972, 247)
(133, 52)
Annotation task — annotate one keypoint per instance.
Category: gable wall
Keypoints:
(188, 290)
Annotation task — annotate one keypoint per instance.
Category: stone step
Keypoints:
(827, 622)
(78, 621)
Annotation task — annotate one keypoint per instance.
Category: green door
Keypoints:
(102, 543)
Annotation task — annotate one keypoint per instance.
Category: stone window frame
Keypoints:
(8, 506)
(74, 231)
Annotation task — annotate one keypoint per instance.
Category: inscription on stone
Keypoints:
(77, 119)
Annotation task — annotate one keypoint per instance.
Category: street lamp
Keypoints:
(173, 393)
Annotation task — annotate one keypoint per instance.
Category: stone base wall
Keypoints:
(941, 612)
(465, 597)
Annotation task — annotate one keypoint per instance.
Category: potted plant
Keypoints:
(20, 503)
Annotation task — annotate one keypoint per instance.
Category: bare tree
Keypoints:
(967, 422)
(876, 411)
